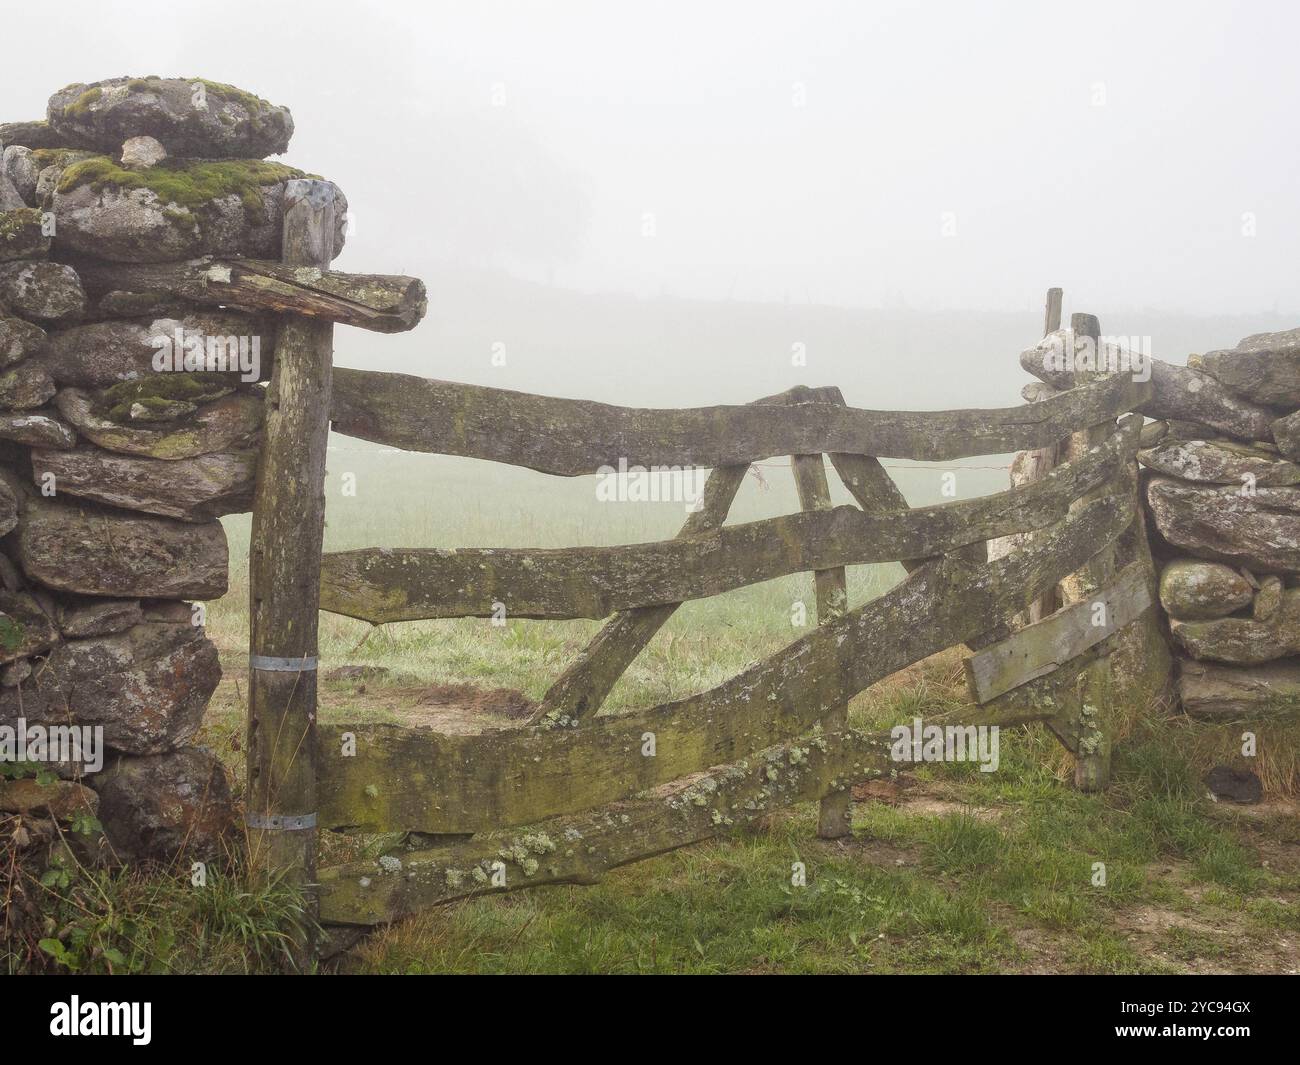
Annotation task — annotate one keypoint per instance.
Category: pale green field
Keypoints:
(411, 500)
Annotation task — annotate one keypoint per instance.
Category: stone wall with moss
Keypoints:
(129, 424)
(1220, 479)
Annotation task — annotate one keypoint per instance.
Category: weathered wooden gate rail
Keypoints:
(571, 437)
(506, 778)
(380, 585)
(572, 795)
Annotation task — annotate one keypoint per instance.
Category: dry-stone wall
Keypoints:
(129, 422)
(1226, 507)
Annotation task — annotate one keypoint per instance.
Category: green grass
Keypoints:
(959, 877)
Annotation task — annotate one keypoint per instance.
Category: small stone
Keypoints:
(1220, 462)
(1209, 691)
(25, 629)
(159, 806)
(172, 611)
(17, 164)
(1152, 433)
(60, 799)
(146, 687)
(161, 410)
(1286, 434)
(89, 549)
(46, 292)
(36, 430)
(232, 423)
(1264, 366)
(19, 340)
(103, 354)
(1260, 530)
(10, 199)
(98, 617)
(22, 235)
(1234, 785)
(140, 153)
(1244, 641)
(36, 134)
(194, 489)
(1268, 599)
(1196, 590)
(25, 386)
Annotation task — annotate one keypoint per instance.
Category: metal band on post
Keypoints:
(280, 822)
(271, 664)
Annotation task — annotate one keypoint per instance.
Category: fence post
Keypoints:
(284, 575)
(834, 819)
(1092, 754)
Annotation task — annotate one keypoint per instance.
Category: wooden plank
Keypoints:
(382, 585)
(585, 684)
(377, 302)
(575, 437)
(1052, 310)
(421, 781)
(1038, 649)
(284, 569)
(582, 849)
(834, 818)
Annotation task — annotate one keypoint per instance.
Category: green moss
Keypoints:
(17, 225)
(185, 184)
(44, 157)
(82, 103)
(11, 633)
(232, 94)
(159, 391)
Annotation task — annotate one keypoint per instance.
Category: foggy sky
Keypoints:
(794, 153)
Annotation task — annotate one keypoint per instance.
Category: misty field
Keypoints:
(948, 870)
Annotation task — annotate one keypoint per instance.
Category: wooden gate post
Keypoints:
(835, 816)
(284, 575)
(1092, 740)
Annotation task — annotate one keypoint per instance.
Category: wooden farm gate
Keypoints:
(571, 794)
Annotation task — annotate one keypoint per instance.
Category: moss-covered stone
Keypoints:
(83, 103)
(1192, 589)
(191, 184)
(177, 209)
(33, 135)
(177, 392)
(21, 235)
(192, 117)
